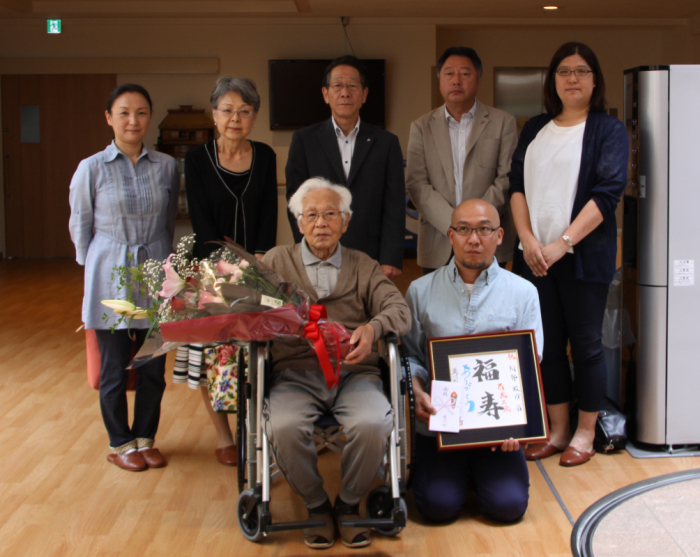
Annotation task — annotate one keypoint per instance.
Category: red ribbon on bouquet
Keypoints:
(312, 331)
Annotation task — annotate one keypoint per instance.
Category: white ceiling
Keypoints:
(442, 10)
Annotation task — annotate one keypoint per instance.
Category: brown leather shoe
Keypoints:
(227, 455)
(133, 462)
(153, 458)
(539, 451)
(574, 457)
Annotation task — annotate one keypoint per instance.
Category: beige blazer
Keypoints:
(430, 177)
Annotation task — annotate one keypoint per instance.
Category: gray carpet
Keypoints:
(659, 517)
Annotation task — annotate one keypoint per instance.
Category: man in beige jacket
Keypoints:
(459, 151)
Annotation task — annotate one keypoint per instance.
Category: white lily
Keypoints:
(127, 309)
(119, 306)
(138, 313)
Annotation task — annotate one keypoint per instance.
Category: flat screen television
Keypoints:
(295, 93)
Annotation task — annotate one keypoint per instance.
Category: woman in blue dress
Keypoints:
(123, 204)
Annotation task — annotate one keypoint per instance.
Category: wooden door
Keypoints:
(39, 160)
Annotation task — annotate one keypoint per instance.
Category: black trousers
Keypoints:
(572, 311)
(115, 354)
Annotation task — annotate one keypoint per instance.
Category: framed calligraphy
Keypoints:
(498, 376)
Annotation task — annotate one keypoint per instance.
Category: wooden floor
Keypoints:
(60, 497)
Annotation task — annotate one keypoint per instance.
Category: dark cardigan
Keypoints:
(603, 177)
(246, 212)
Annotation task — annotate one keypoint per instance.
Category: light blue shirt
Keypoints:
(323, 275)
(442, 307)
(120, 210)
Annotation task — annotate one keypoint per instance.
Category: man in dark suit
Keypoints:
(365, 158)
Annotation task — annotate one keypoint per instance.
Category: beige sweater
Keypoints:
(362, 295)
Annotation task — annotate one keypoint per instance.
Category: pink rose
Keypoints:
(226, 268)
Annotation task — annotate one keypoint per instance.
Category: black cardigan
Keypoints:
(249, 216)
(602, 177)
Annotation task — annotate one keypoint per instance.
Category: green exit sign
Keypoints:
(53, 26)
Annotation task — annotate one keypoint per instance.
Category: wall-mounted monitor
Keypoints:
(295, 93)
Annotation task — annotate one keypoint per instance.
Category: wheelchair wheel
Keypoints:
(249, 522)
(241, 435)
(380, 504)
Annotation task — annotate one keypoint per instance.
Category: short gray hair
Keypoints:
(244, 86)
(296, 202)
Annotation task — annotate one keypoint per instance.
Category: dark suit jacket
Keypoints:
(376, 182)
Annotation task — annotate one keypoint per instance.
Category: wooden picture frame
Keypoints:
(503, 394)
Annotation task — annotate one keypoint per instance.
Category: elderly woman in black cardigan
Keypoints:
(231, 192)
(567, 175)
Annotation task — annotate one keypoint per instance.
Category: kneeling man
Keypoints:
(358, 295)
(470, 295)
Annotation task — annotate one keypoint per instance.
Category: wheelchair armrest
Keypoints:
(391, 338)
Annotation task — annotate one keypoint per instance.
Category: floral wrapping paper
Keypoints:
(221, 363)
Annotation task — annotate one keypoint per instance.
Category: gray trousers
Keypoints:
(297, 399)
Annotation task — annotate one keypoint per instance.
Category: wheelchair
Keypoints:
(385, 505)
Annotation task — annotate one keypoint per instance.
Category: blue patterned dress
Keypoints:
(120, 209)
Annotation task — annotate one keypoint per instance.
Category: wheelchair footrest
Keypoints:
(296, 525)
(372, 523)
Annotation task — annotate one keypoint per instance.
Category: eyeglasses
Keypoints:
(312, 216)
(338, 87)
(480, 230)
(228, 113)
(578, 72)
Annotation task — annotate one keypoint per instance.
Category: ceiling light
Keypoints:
(551, 7)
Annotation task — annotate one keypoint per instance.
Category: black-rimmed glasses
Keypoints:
(578, 72)
(480, 230)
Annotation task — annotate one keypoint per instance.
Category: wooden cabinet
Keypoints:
(182, 129)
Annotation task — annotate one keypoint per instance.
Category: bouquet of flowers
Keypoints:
(230, 295)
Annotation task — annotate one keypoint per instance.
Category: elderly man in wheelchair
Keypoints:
(356, 294)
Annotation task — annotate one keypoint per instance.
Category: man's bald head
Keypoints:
(476, 210)
(475, 234)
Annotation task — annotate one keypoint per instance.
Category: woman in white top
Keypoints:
(566, 178)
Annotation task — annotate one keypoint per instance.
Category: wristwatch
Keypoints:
(566, 238)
